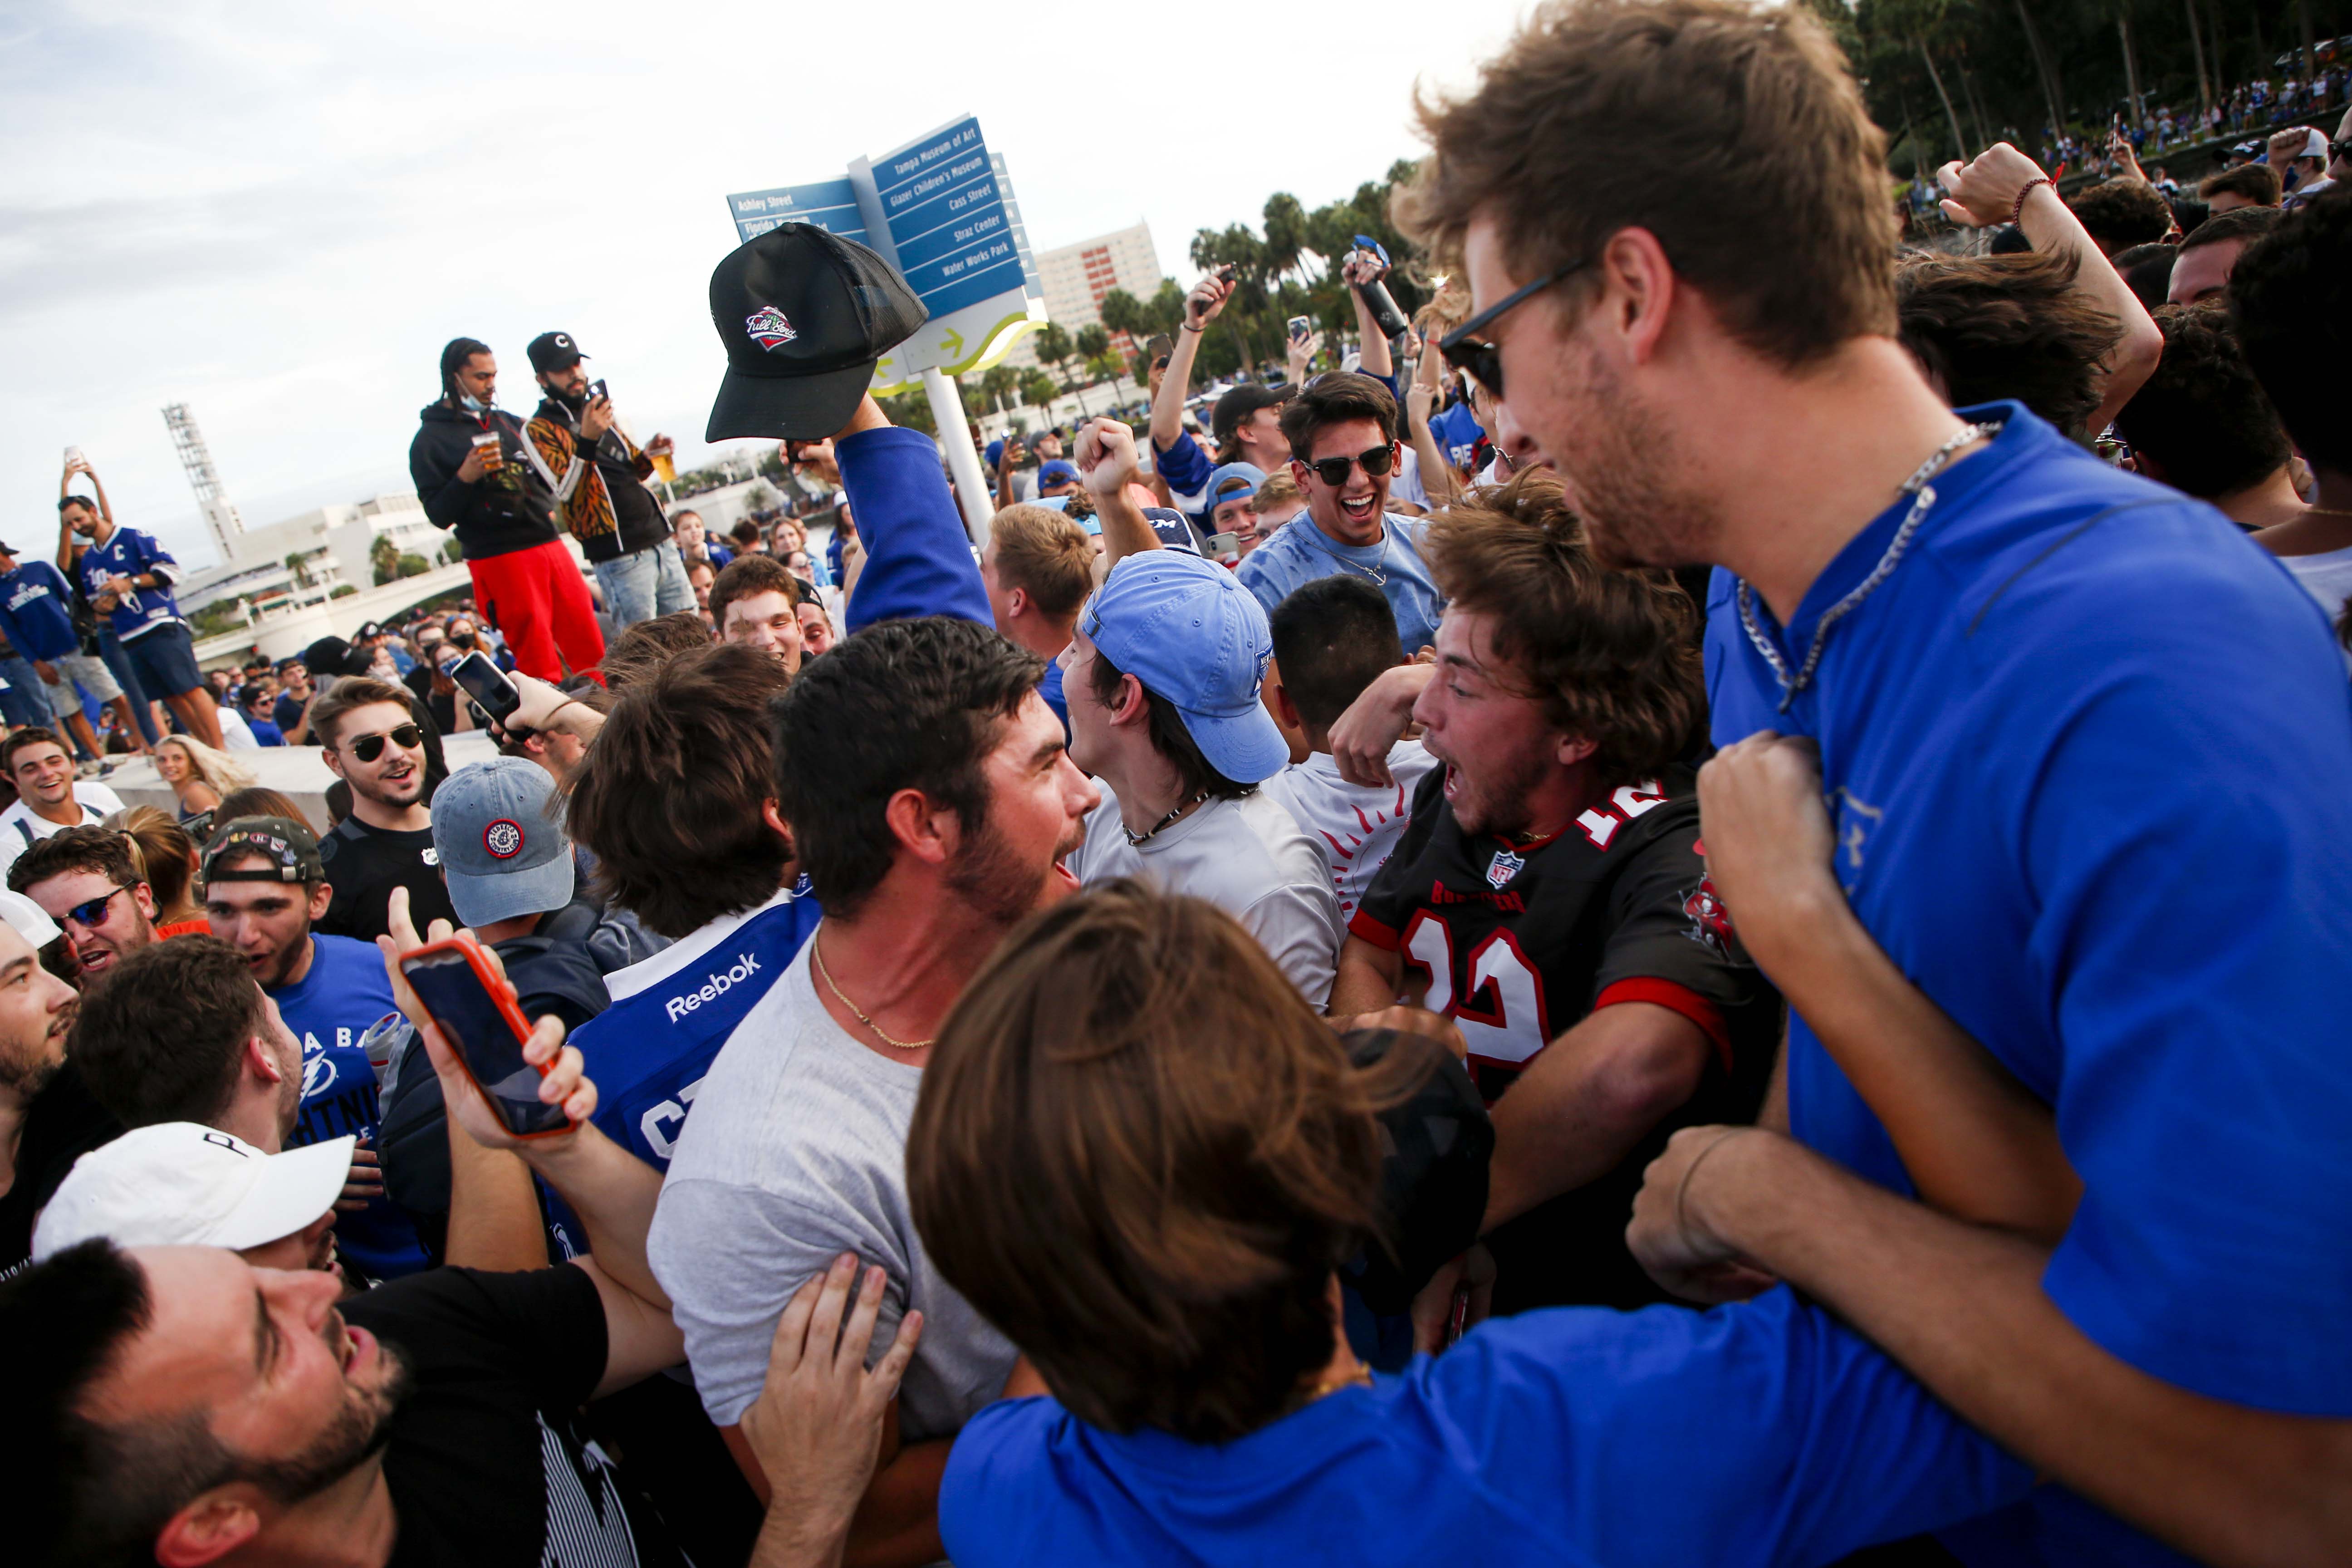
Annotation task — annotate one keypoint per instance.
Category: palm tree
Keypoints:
(998, 384)
(1054, 347)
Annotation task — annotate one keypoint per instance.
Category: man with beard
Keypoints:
(1173, 724)
(2044, 693)
(48, 1118)
(264, 885)
(88, 882)
(1548, 895)
(428, 1421)
(370, 740)
(600, 488)
(931, 801)
(1343, 439)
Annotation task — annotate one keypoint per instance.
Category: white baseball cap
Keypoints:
(182, 1183)
(28, 919)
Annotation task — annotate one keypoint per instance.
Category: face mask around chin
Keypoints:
(471, 404)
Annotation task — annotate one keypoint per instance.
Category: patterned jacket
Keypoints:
(583, 502)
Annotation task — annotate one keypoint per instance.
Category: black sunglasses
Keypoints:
(368, 748)
(1467, 352)
(90, 913)
(1333, 471)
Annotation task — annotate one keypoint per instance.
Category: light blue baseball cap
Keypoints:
(1250, 472)
(1197, 640)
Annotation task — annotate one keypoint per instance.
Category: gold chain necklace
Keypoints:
(817, 952)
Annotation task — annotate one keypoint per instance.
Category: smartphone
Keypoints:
(1226, 546)
(486, 684)
(1228, 272)
(1301, 328)
(596, 390)
(476, 1011)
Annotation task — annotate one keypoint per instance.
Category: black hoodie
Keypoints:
(499, 513)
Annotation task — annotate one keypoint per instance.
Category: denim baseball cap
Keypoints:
(1197, 640)
(501, 843)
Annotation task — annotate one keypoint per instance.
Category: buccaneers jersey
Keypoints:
(1517, 941)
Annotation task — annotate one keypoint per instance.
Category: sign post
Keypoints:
(939, 209)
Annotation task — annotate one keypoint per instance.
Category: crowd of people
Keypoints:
(1742, 973)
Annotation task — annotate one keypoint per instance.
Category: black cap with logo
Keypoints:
(552, 351)
(803, 314)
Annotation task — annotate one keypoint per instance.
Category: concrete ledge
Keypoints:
(299, 773)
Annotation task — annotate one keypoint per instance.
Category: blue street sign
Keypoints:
(831, 205)
(945, 206)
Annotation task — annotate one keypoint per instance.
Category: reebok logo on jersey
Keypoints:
(720, 982)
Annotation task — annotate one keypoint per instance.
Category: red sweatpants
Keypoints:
(539, 605)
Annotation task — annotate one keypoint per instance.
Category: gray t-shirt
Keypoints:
(1247, 856)
(797, 1153)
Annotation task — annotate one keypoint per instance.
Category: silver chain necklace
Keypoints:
(1916, 486)
(1378, 574)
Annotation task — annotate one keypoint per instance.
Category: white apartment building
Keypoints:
(335, 545)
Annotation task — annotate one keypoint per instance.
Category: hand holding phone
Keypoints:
(505, 1081)
(486, 684)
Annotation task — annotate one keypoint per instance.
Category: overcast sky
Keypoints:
(278, 213)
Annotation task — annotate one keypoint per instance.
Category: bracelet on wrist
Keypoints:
(2017, 212)
(1191, 328)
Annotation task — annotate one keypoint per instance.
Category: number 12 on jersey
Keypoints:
(1500, 1003)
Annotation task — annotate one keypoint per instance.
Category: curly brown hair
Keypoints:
(2120, 214)
(1610, 654)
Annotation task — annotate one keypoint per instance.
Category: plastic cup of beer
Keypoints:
(663, 468)
(493, 456)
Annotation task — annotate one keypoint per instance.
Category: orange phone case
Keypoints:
(503, 996)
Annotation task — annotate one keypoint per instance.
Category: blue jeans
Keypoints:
(644, 584)
(110, 648)
(22, 702)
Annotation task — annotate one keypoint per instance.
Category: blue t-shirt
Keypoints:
(1050, 689)
(1186, 469)
(1299, 552)
(1761, 1434)
(1456, 430)
(36, 611)
(344, 992)
(268, 734)
(126, 553)
(648, 1051)
(2080, 747)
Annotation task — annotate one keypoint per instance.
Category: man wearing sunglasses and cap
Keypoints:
(1343, 440)
(369, 735)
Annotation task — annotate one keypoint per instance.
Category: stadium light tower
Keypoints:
(220, 513)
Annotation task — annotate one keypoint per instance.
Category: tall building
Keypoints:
(1076, 276)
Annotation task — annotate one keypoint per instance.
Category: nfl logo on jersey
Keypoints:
(1503, 868)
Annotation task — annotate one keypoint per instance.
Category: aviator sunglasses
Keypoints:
(1467, 350)
(368, 748)
(90, 913)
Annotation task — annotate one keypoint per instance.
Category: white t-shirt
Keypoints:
(20, 821)
(1406, 486)
(1354, 825)
(796, 1153)
(2326, 577)
(236, 735)
(1247, 856)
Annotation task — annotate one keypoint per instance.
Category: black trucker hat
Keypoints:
(804, 314)
(552, 351)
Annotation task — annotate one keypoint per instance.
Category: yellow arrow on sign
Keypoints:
(952, 343)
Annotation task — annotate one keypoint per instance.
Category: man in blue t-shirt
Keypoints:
(1343, 434)
(264, 884)
(1204, 1406)
(36, 615)
(2080, 741)
(129, 577)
